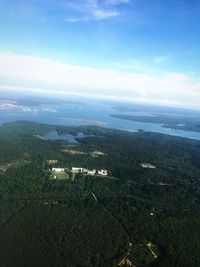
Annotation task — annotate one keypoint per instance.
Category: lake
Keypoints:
(87, 113)
(53, 135)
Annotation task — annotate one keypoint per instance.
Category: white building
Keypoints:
(148, 166)
(103, 172)
(93, 172)
(58, 170)
(78, 170)
(89, 172)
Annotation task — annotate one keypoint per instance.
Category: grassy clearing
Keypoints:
(59, 176)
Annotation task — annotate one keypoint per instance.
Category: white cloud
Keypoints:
(160, 59)
(104, 14)
(135, 65)
(93, 10)
(44, 75)
(117, 2)
(77, 19)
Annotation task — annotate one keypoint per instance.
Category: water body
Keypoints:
(88, 113)
(53, 135)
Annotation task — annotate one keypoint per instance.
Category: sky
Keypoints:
(137, 50)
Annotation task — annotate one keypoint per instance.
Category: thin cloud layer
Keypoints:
(160, 59)
(44, 75)
(88, 10)
(117, 2)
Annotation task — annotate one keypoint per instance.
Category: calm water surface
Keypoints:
(53, 135)
(85, 114)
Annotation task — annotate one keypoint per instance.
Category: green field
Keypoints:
(60, 176)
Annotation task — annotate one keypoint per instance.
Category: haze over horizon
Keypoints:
(117, 49)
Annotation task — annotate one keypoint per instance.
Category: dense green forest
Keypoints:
(135, 216)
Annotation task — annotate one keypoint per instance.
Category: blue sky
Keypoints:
(153, 38)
